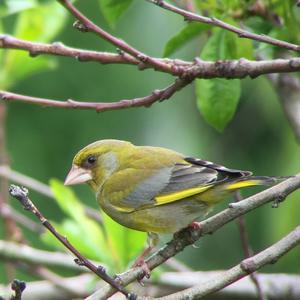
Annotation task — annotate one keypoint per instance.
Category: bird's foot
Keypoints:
(195, 226)
(192, 232)
(140, 262)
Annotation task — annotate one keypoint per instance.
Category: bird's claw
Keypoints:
(140, 262)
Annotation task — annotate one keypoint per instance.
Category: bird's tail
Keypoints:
(221, 191)
(253, 181)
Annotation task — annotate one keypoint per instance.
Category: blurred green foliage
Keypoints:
(42, 141)
(113, 244)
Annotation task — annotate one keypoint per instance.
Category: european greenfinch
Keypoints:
(154, 189)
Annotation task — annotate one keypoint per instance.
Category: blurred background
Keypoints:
(41, 142)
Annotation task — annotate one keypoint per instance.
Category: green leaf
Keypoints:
(41, 24)
(80, 239)
(67, 200)
(185, 35)
(217, 99)
(113, 9)
(83, 232)
(124, 244)
(15, 6)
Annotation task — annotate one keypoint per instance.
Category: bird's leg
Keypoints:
(194, 226)
(152, 241)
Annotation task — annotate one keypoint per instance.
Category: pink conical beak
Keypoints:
(78, 175)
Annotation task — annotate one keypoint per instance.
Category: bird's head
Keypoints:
(95, 162)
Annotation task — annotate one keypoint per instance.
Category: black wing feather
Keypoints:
(220, 168)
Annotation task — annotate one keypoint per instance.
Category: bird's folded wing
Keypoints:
(172, 183)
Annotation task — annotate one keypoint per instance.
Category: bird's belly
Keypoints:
(167, 218)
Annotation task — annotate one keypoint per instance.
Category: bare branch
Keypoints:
(11, 251)
(275, 286)
(18, 287)
(10, 228)
(288, 88)
(190, 16)
(44, 289)
(57, 280)
(57, 48)
(157, 95)
(202, 69)
(246, 267)
(8, 173)
(39, 187)
(6, 210)
(198, 69)
(87, 25)
(21, 195)
(189, 235)
(241, 222)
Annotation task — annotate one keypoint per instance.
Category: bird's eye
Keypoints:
(91, 159)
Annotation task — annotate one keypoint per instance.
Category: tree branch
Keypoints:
(43, 289)
(202, 69)
(57, 48)
(21, 195)
(198, 69)
(87, 25)
(189, 235)
(190, 16)
(288, 88)
(157, 95)
(11, 251)
(241, 222)
(246, 267)
(39, 187)
(7, 211)
(274, 286)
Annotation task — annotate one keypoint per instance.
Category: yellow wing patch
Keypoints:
(168, 198)
(241, 184)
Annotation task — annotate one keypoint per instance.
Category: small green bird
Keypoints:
(154, 189)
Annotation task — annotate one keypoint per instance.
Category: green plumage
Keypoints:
(155, 189)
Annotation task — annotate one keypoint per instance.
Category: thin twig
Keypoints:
(57, 48)
(288, 88)
(21, 194)
(55, 279)
(18, 287)
(8, 211)
(275, 286)
(39, 187)
(11, 230)
(247, 249)
(87, 25)
(190, 16)
(200, 69)
(10, 251)
(81, 286)
(188, 236)
(157, 95)
(246, 267)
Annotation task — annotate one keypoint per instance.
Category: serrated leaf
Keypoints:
(184, 36)
(125, 244)
(217, 99)
(113, 9)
